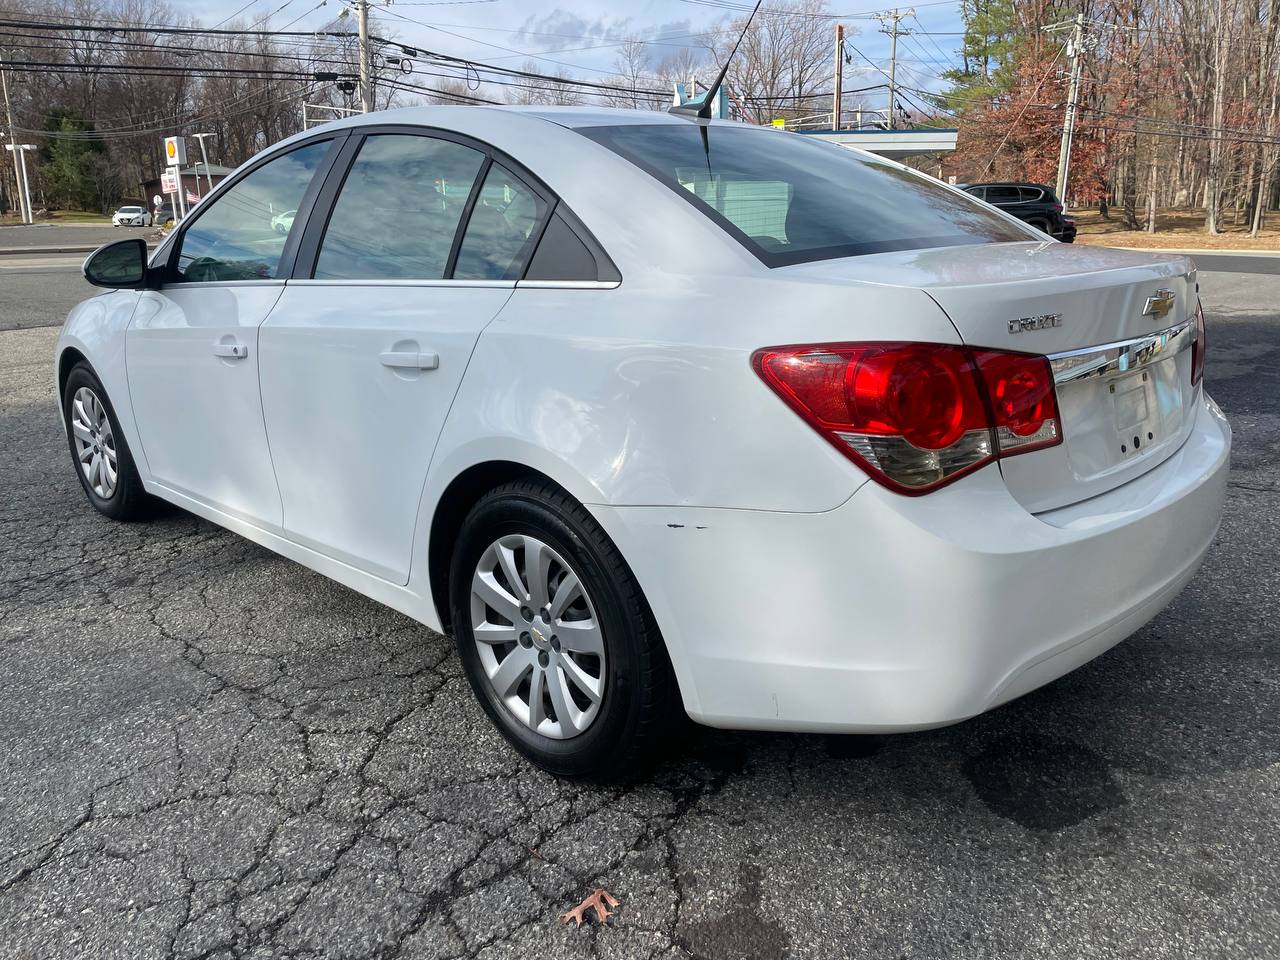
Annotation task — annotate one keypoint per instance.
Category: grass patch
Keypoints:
(1175, 229)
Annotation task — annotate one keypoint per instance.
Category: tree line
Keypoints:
(1177, 107)
(97, 83)
(1178, 102)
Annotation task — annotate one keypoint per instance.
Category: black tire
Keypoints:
(641, 699)
(128, 501)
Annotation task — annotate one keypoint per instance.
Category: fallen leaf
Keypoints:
(599, 901)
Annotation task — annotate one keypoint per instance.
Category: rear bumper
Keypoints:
(900, 613)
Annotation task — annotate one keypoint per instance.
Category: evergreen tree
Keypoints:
(77, 171)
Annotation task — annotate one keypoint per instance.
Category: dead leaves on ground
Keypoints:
(600, 901)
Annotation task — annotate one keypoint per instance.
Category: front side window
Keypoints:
(790, 199)
(500, 231)
(399, 209)
(239, 236)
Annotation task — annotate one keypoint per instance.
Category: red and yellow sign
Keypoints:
(175, 151)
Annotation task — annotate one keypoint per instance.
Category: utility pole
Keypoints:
(204, 157)
(894, 33)
(1075, 50)
(366, 72)
(8, 114)
(835, 99)
(19, 151)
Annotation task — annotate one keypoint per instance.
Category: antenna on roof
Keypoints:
(702, 109)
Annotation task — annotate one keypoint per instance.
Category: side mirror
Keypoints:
(121, 265)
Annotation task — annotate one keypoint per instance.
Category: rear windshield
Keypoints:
(790, 199)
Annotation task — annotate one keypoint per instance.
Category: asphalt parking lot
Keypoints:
(211, 752)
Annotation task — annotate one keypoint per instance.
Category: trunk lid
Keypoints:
(1123, 368)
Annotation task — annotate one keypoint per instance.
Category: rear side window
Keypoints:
(502, 229)
(241, 236)
(1003, 195)
(790, 199)
(399, 209)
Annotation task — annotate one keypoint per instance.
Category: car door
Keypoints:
(192, 347)
(364, 353)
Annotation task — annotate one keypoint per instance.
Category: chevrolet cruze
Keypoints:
(654, 413)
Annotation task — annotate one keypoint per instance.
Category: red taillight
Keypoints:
(1197, 346)
(1023, 402)
(917, 415)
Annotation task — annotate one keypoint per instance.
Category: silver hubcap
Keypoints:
(95, 443)
(538, 637)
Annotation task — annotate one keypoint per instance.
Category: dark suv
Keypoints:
(1033, 203)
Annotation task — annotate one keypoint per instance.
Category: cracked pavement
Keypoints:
(212, 752)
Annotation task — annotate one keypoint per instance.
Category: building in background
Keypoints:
(193, 180)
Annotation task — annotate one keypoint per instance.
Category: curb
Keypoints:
(1193, 251)
(40, 251)
(61, 248)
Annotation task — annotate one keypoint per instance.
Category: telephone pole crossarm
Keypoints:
(894, 32)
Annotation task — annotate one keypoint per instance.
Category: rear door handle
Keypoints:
(234, 351)
(410, 359)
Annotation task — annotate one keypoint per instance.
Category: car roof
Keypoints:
(568, 117)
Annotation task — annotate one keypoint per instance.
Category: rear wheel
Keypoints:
(99, 451)
(555, 635)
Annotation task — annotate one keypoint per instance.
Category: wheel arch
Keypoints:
(455, 502)
(68, 357)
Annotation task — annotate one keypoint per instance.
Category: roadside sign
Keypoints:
(780, 122)
(951, 180)
(169, 181)
(175, 151)
(157, 200)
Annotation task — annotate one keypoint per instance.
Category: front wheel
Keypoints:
(555, 635)
(101, 456)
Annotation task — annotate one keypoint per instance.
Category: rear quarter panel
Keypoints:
(645, 395)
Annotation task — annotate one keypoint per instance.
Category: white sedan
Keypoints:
(131, 217)
(652, 413)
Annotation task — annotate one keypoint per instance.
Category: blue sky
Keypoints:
(582, 36)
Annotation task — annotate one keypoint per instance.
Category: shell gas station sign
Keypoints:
(175, 151)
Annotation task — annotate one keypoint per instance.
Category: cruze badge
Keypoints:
(1042, 322)
(1159, 304)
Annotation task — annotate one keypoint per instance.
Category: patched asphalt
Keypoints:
(209, 751)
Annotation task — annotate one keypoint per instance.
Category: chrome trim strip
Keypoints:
(489, 284)
(1122, 356)
(569, 284)
(207, 284)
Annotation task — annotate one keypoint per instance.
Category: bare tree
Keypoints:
(784, 61)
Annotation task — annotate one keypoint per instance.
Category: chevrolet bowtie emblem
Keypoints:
(1159, 304)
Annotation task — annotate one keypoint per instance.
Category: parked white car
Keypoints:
(131, 217)
(650, 412)
(282, 222)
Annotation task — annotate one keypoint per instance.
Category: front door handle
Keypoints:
(409, 359)
(233, 351)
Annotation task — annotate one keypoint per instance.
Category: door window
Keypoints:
(242, 234)
(1003, 195)
(399, 209)
(501, 230)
